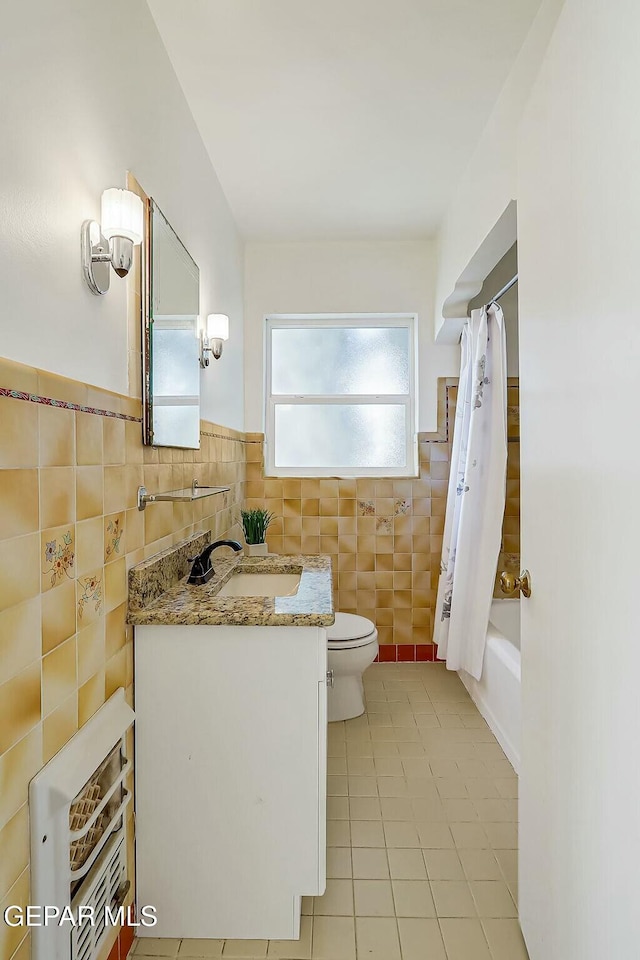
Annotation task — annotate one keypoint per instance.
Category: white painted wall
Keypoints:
(89, 93)
(349, 277)
(579, 250)
(489, 184)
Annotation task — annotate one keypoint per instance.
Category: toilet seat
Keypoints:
(350, 631)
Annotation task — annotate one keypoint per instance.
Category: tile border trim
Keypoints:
(65, 404)
(407, 653)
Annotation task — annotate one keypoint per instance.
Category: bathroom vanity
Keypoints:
(230, 743)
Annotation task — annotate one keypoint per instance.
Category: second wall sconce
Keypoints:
(111, 242)
(212, 339)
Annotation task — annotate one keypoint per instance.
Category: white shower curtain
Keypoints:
(476, 497)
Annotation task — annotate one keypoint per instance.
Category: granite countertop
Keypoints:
(183, 603)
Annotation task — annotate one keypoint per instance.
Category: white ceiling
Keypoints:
(341, 119)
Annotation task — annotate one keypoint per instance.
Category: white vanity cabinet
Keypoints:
(231, 729)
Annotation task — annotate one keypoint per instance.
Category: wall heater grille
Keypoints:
(78, 834)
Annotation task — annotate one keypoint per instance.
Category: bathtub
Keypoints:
(497, 693)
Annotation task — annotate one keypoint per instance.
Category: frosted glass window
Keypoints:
(340, 396)
(340, 360)
(331, 436)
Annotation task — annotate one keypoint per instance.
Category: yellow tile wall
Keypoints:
(383, 535)
(510, 547)
(69, 531)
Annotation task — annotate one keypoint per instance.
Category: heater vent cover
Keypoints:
(78, 838)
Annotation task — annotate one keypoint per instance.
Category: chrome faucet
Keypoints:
(202, 571)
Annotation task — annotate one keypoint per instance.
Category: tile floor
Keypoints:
(421, 833)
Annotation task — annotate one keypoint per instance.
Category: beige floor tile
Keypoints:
(337, 787)
(359, 748)
(451, 788)
(367, 833)
(361, 767)
(422, 788)
(492, 810)
(389, 767)
(364, 808)
(413, 898)
(293, 949)
(307, 906)
(338, 833)
(480, 865)
(464, 940)
(245, 949)
(411, 751)
(499, 768)
(337, 808)
(435, 836)
(469, 836)
(373, 898)
(505, 940)
(407, 864)
(339, 863)
(453, 898)
(333, 938)
(385, 751)
(191, 949)
(392, 787)
(363, 786)
(429, 809)
(421, 939)
(443, 865)
(336, 766)
(416, 768)
(337, 900)
(502, 836)
(508, 861)
(460, 811)
(396, 808)
(399, 833)
(369, 864)
(445, 768)
(156, 947)
(482, 788)
(493, 899)
(377, 938)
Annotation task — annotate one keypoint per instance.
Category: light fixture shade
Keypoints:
(218, 326)
(121, 215)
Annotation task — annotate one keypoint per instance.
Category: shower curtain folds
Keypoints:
(476, 495)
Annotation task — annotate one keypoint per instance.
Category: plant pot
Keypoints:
(257, 549)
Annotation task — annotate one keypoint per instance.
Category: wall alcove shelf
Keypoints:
(188, 494)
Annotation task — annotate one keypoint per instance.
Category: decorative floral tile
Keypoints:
(401, 508)
(58, 556)
(113, 536)
(384, 524)
(366, 508)
(90, 597)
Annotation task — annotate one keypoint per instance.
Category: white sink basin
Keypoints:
(261, 585)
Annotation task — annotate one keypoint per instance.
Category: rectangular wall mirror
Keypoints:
(171, 374)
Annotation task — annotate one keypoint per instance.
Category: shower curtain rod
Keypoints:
(502, 292)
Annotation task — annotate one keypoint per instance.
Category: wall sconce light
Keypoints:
(111, 242)
(212, 339)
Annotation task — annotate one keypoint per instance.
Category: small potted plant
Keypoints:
(255, 523)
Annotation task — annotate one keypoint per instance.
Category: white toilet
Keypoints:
(352, 644)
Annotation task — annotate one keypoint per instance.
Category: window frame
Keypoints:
(409, 401)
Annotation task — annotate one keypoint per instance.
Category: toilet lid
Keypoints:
(349, 626)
